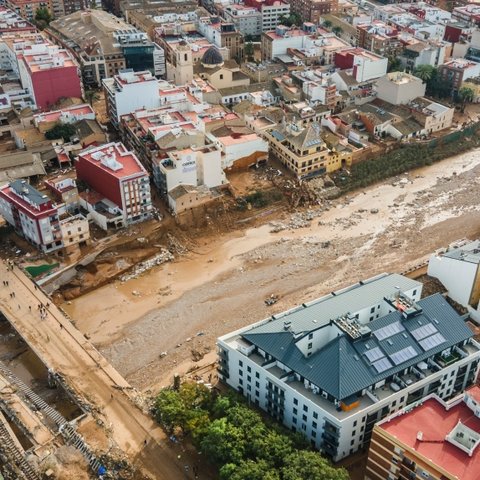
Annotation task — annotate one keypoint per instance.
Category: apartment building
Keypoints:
(400, 88)
(469, 14)
(276, 42)
(11, 22)
(28, 8)
(379, 37)
(121, 185)
(364, 65)
(312, 10)
(303, 150)
(418, 53)
(103, 45)
(271, 10)
(459, 70)
(247, 20)
(32, 215)
(333, 367)
(430, 439)
(196, 166)
(223, 34)
(129, 91)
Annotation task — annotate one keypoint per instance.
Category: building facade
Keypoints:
(431, 439)
(334, 367)
(303, 150)
(32, 215)
(129, 91)
(399, 88)
(119, 178)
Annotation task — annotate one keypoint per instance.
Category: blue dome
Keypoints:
(212, 57)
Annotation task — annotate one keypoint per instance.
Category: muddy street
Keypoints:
(181, 307)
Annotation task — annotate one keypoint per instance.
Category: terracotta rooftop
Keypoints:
(436, 422)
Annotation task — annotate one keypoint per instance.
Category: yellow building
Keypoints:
(304, 151)
(219, 72)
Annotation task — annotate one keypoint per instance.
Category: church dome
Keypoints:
(212, 57)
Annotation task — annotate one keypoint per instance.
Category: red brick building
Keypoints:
(312, 10)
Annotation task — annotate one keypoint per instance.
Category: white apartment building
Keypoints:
(458, 268)
(129, 91)
(271, 14)
(195, 166)
(331, 368)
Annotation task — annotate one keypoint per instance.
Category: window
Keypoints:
(304, 427)
(304, 418)
(295, 411)
(314, 434)
(257, 384)
(257, 375)
(315, 415)
(305, 408)
(355, 423)
(240, 372)
(294, 420)
(309, 345)
(310, 336)
(257, 393)
(314, 424)
(352, 442)
(353, 433)
(372, 310)
(249, 378)
(249, 369)
(240, 381)
(295, 401)
(221, 76)
(240, 363)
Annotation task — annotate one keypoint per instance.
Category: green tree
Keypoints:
(465, 95)
(425, 72)
(337, 30)
(273, 447)
(223, 442)
(248, 470)
(249, 50)
(304, 464)
(42, 17)
(61, 130)
(91, 96)
(327, 23)
(394, 64)
(170, 410)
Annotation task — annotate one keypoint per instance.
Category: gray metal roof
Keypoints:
(24, 189)
(468, 253)
(341, 367)
(364, 294)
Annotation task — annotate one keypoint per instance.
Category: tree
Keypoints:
(169, 409)
(292, 19)
(394, 64)
(425, 72)
(327, 23)
(306, 464)
(465, 95)
(61, 130)
(42, 18)
(249, 51)
(223, 442)
(92, 96)
(248, 470)
(337, 30)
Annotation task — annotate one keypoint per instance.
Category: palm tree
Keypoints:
(92, 96)
(466, 95)
(425, 72)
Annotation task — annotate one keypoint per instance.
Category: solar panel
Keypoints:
(374, 354)
(432, 342)
(382, 365)
(389, 330)
(403, 355)
(423, 332)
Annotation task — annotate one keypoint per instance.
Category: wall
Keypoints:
(457, 276)
(51, 85)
